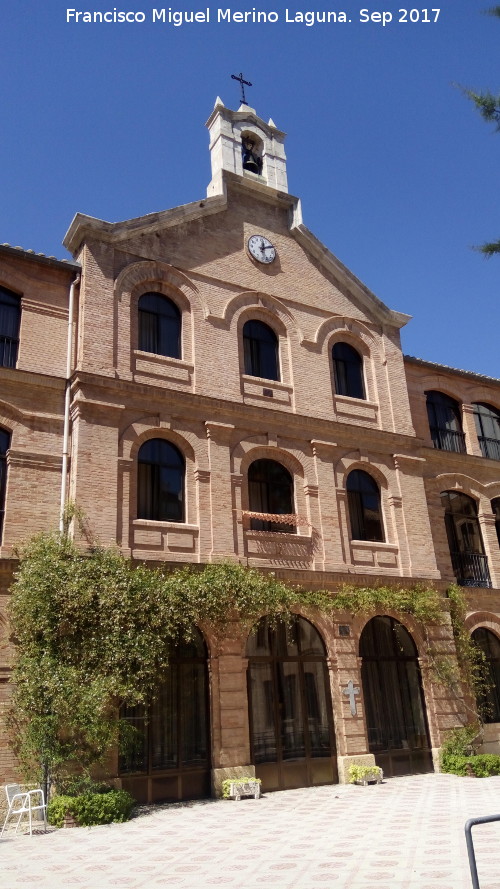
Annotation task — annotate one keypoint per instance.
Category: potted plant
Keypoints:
(365, 775)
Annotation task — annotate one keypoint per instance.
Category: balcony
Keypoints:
(490, 447)
(448, 439)
(471, 569)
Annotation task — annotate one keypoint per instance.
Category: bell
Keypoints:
(250, 164)
(250, 161)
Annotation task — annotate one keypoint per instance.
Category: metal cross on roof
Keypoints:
(241, 82)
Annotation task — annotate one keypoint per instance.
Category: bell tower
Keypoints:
(245, 145)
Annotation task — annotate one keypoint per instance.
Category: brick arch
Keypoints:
(142, 430)
(252, 452)
(347, 464)
(346, 330)
(493, 399)
(463, 484)
(140, 273)
(172, 293)
(406, 620)
(255, 300)
(492, 490)
(483, 619)
(433, 384)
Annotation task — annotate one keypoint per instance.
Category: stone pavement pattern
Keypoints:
(406, 833)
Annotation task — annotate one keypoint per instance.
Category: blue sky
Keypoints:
(397, 173)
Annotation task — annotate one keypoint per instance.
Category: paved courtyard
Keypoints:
(406, 833)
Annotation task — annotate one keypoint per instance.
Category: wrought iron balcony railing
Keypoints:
(490, 447)
(448, 439)
(471, 569)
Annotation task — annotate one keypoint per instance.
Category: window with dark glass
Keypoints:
(4, 447)
(445, 422)
(10, 320)
(495, 506)
(488, 429)
(260, 347)
(159, 325)
(170, 736)
(489, 702)
(161, 472)
(348, 371)
(465, 540)
(363, 497)
(270, 490)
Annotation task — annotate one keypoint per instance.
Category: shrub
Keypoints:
(459, 744)
(480, 765)
(485, 764)
(91, 808)
(459, 757)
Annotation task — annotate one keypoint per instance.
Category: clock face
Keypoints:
(261, 249)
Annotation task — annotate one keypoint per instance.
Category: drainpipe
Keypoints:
(67, 394)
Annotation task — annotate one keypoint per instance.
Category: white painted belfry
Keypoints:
(226, 129)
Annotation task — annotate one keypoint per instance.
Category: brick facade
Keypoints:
(222, 419)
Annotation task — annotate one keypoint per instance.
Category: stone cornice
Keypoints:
(85, 227)
(31, 378)
(38, 461)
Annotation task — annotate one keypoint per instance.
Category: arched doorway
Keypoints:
(291, 724)
(171, 759)
(393, 697)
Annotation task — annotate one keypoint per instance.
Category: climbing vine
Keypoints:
(472, 664)
(92, 630)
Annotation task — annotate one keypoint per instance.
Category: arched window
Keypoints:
(260, 347)
(161, 472)
(489, 705)
(291, 726)
(488, 429)
(4, 447)
(363, 497)
(495, 506)
(10, 320)
(159, 325)
(270, 490)
(393, 698)
(470, 564)
(348, 371)
(445, 422)
(170, 759)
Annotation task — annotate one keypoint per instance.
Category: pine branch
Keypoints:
(487, 104)
(489, 249)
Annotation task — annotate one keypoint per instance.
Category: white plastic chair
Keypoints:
(24, 802)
